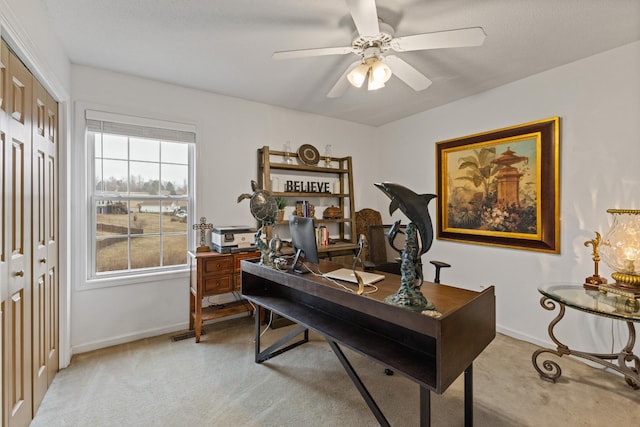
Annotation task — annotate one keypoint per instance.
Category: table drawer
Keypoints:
(217, 284)
(217, 265)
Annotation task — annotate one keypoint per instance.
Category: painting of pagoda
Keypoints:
(494, 187)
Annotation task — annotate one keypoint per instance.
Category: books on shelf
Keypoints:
(305, 209)
(322, 236)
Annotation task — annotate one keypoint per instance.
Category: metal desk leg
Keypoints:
(257, 316)
(425, 401)
(373, 407)
(425, 407)
(468, 396)
(275, 349)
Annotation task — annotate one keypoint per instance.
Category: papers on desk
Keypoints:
(348, 276)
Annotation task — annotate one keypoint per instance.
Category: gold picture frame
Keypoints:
(502, 187)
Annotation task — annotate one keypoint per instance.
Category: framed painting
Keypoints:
(501, 188)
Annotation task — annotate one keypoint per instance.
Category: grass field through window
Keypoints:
(148, 248)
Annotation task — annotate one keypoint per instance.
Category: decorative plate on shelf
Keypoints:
(309, 154)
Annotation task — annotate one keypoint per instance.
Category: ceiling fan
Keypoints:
(375, 39)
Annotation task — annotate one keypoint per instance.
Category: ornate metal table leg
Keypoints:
(626, 355)
(552, 370)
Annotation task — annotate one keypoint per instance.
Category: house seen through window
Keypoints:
(141, 197)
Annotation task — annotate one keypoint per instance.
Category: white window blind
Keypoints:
(99, 121)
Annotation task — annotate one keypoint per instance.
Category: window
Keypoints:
(140, 196)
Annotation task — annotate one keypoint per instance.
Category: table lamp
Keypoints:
(620, 250)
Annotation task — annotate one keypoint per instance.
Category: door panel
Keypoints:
(29, 253)
(17, 314)
(44, 243)
(4, 65)
(18, 354)
(5, 172)
(52, 325)
(51, 234)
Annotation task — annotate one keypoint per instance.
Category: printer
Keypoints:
(235, 238)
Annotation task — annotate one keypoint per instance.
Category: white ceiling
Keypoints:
(225, 46)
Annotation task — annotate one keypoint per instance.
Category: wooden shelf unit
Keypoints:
(270, 163)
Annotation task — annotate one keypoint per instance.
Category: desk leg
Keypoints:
(425, 407)
(256, 340)
(274, 349)
(425, 401)
(359, 384)
(468, 396)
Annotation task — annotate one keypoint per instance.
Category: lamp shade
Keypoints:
(380, 71)
(358, 75)
(620, 248)
(373, 83)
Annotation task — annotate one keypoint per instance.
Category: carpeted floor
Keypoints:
(160, 382)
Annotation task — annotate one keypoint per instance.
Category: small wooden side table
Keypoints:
(213, 273)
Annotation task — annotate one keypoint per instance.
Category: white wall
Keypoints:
(598, 101)
(229, 132)
(27, 30)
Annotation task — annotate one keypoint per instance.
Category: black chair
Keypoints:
(383, 257)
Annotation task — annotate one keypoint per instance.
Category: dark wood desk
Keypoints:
(430, 351)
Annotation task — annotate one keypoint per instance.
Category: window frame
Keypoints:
(138, 275)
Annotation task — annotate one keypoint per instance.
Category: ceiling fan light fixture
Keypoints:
(358, 75)
(373, 83)
(373, 39)
(372, 69)
(380, 71)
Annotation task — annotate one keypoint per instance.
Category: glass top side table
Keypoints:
(597, 303)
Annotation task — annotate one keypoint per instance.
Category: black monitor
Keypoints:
(303, 239)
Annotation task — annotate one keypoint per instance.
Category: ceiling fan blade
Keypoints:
(304, 53)
(342, 84)
(365, 16)
(405, 72)
(439, 40)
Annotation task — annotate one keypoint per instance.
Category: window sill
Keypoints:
(137, 279)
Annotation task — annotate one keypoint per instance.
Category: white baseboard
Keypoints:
(122, 339)
(551, 345)
(523, 337)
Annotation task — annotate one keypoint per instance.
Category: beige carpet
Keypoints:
(157, 382)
